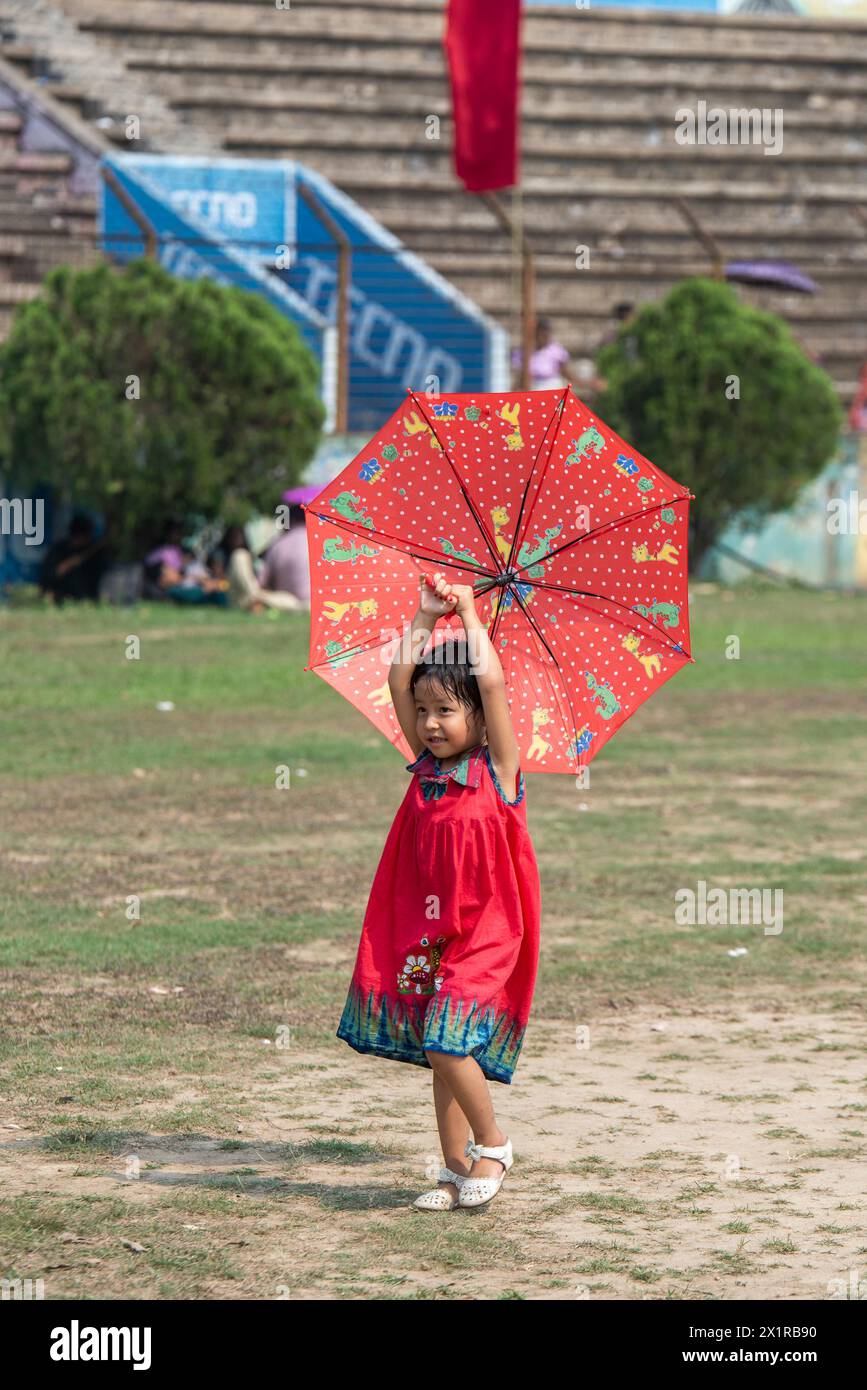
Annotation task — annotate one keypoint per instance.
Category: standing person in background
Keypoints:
(590, 381)
(549, 363)
(287, 568)
(245, 591)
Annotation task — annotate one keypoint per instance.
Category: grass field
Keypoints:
(147, 1096)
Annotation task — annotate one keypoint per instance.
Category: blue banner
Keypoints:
(246, 222)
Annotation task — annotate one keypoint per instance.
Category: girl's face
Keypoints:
(444, 725)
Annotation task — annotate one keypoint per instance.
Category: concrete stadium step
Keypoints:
(260, 116)
(17, 293)
(10, 129)
(401, 63)
(543, 31)
(60, 227)
(308, 67)
(19, 54)
(596, 292)
(795, 216)
(628, 23)
(605, 198)
(381, 114)
(682, 168)
(690, 258)
(27, 162)
(13, 251)
(583, 153)
(738, 238)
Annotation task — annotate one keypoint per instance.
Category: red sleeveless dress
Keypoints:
(449, 945)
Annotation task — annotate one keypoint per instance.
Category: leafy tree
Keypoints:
(145, 396)
(668, 382)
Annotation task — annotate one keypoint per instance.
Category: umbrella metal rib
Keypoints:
(492, 549)
(578, 594)
(397, 542)
(518, 535)
(538, 633)
(612, 525)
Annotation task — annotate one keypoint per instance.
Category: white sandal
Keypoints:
(438, 1199)
(477, 1192)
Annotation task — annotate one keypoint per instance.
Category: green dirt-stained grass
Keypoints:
(748, 773)
(720, 777)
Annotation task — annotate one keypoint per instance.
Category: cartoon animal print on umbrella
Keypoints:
(666, 554)
(628, 467)
(462, 556)
(539, 746)
(332, 653)
(669, 613)
(590, 442)
(649, 660)
(350, 505)
(413, 424)
(500, 518)
(510, 412)
(581, 742)
(334, 611)
(609, 705)
(334, 550)
(529, 555)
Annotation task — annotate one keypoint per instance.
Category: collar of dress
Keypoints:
(468, 772)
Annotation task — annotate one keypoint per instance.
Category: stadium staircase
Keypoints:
(348, 89)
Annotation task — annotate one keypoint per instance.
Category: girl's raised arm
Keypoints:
(502, 743)
(410, 650)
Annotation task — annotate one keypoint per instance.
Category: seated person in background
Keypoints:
(287, 568)
(217, 566)
(245, 591)
(74, 566)
(164, 565)
(194, 583)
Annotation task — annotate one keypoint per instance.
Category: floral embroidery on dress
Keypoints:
(418, 975)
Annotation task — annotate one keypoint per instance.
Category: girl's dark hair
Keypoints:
(453, 672)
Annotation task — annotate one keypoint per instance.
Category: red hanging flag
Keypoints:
(482, 45)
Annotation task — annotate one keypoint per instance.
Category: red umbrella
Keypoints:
(575, 544)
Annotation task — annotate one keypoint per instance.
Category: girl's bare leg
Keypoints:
(467, 1084)
(454, 1131)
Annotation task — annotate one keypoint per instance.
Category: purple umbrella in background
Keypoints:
(297, 495)
(301, 494)
(775, 275)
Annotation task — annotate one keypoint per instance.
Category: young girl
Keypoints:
(449, 946)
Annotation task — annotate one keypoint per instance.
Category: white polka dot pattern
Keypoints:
(596, 616)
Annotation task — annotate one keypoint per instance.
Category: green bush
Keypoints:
(666, 392)
(228, 410)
